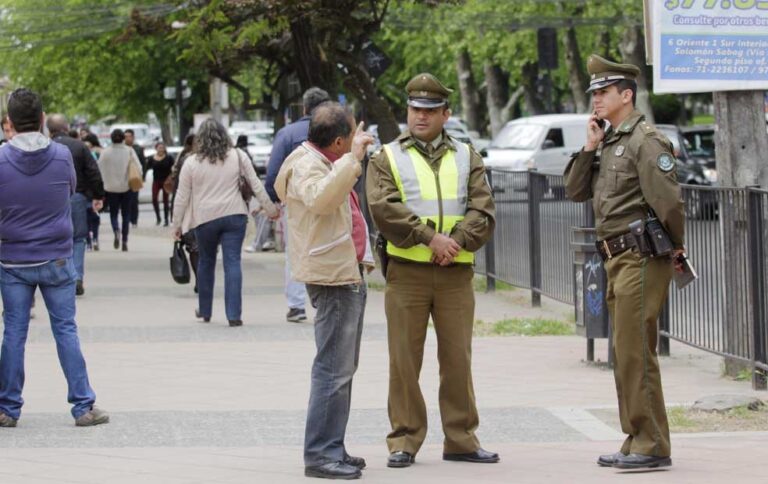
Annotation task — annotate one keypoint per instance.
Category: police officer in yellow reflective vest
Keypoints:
(429, 198)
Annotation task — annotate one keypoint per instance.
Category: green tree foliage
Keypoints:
(76, 55)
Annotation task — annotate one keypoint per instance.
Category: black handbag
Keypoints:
(179, 264)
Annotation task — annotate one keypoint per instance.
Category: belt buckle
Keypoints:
(607, 250)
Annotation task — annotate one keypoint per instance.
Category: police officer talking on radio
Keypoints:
(628, 170)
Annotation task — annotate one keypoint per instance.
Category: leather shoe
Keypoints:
(479, 456)
(235, 322)
(333, 470)
(400, 459)
(640, 461)
(200, 316)
(608, 460)
(353, 461)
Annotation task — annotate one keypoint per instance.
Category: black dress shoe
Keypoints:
(235, 322)
(640, 461)
(479, 456)
(79, 288)
(333, 470)
(358, 462)
(608, 460)
(199, 316)
(400, 459)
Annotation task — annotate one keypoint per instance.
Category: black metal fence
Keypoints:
(724, 312)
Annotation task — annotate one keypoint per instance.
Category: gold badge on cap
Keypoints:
(619, 150)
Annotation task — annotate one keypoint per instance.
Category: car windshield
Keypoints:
(702, 143)
(518, 137)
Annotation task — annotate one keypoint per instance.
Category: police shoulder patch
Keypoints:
(665, 162)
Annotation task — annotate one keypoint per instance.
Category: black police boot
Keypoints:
(639, 461)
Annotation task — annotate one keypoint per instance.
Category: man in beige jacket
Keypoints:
(329, 250)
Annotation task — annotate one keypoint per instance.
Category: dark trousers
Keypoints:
(120, 203)
(94, 221)
(134, 213)
(157, 187)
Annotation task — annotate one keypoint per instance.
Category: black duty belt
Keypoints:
(610, 248)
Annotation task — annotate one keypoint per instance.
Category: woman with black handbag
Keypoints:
(215, 184)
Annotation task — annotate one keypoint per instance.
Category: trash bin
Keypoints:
(589, 285)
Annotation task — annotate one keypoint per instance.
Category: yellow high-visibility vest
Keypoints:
(436, 196)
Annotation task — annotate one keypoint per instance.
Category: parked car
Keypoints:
(699, 203)
(700, 142)
(259, 147)
(374, 131)
(141, 131)
(544, 143)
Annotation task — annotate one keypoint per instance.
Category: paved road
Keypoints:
(205, 403)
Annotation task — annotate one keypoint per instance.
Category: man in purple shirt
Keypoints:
(37, 179)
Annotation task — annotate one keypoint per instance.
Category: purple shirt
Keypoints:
(35, 217)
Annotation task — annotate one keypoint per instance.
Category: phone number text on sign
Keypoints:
(720, 57)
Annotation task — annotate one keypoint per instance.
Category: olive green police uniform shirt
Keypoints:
(626, 178)
(401, 227)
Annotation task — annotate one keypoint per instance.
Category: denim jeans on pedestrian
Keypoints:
(295, 292)
(56, 280)
(79, 204)
(120, 202)
(338, 330)
(228, 232)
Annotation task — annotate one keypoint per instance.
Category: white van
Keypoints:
(544, 143)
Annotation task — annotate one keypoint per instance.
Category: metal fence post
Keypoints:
(756, 269)
(490, 250)
(664, 330)
(534, 236)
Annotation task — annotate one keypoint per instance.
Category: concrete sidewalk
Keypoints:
(194, 402)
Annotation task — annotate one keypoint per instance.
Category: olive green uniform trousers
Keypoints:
(414, 292)
(637, 290)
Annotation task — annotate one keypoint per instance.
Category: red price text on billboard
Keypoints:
(722, 4)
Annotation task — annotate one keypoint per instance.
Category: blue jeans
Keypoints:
(228, 232)
(295, 292)
(56, 280)
(338, 331)
(79, 204)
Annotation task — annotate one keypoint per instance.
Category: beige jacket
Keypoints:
(316, 194)
(113, 165)
(208, 191)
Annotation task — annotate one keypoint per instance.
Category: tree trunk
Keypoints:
(311, 63)
(533, 102)
(632, 47)
(578, 80)
(470, 95)
(740, 146)
(497, 94)
(359, 83)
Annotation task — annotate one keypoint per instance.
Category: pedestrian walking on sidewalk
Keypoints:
(38, 179)
(430, 200)
(628, 169)
(286, 141)
(160, 164)
(89, 193)
(130, 141)
(209, 200)
(330, 252)
(94, 217)
(113, 164)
